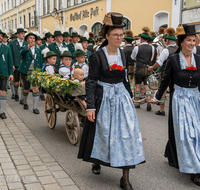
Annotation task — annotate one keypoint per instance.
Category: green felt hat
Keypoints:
(90, 40)
(47, 35)
(145, 36)
(39, 38)
(57, 33)
(82, 39)
(74, 32)
(171, 37)
(66, 34)
(50, 54)
(163, 26)
(79, 52)
(128, 38)
(66, 54)
(2, 33)
(13, 36)
(20, 29)
(30, 34)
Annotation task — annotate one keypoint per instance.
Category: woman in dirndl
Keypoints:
(183, 74)
(111, 135)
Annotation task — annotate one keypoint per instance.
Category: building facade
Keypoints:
(87, 15)
(191, 12)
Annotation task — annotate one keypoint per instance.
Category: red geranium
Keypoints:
(191, 68)
(116, 67)
(71, 68)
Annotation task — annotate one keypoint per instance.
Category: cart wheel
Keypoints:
(72, 126)
(50, 111)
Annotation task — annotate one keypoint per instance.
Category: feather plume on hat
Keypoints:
(14, 31)
(57, 27)
(79, 46)
(66, 29)
(64, 49)
(20, 26)
(170, 31)
(45, 31)
(45, 51)
(91, 35)
(5, 31)
(37, 33)
(86, 34)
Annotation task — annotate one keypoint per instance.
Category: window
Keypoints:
(29, 20)
(44, 7)
(8, 26)
(68, 3)
(20, 20)
(48, 6)
(24, 19)
(75, 2)
(8, 5)
(2, 26)
(11, 24)
(59, 4)
(55, 4)
(84, 1)
(11, 4)
(5, 26)
(96, 29)
(15, 23)
(70, 31)
(35, 18)
(197, 27)
(128, 24)
(2, 7)
(15, 3)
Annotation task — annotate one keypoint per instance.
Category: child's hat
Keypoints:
(66, 53)
(79, 50)
(47, 53)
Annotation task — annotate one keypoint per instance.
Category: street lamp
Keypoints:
(57, 15)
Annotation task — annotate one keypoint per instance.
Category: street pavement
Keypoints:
(155, 174)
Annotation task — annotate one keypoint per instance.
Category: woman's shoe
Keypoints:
(195, 179)
(124, 185)
(96, 169)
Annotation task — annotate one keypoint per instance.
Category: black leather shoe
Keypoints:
(16, 98)
(42, 97)
(148, 106)
(13, 96)
(31, 90)
(21, 102)
(26, 106)
(3, 116)
(36, 111)
(195, 179)
(138, 107)
(124, 185)
(96, 169)
(162, 113)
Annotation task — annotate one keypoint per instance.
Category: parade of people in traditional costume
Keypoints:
(118, 72)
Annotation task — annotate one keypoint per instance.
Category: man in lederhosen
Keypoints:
(15, 50)
(6, 71)
(162, 60)
(31, 59)
(143, 54)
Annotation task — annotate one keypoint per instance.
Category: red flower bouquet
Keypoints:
(71, 68)
(191, 68)
(116, 67)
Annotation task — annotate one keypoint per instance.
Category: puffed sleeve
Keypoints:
(167, 76)
(91, 82)
(65, 72)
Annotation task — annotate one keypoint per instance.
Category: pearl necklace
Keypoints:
(111, 52)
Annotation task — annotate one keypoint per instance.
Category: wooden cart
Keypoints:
(75, 113)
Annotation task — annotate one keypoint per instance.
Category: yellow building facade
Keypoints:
(87, 15)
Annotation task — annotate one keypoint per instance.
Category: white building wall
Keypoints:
(176, 13)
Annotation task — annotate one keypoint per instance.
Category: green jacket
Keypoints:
(72, 50)
(64, 44)
(27, 59)
(15, 50)
(53, 47)
(87, 56)
(6, 61)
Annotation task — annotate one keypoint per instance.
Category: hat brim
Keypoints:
(189, 34)
(119, 26)
(26, 37)
(61, 56)
(3, 33)
(50, 56)
(128, 38)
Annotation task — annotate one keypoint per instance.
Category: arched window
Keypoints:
(128, 24)
(70, 30)
(96, 28)
(82, 29)
(160, 18)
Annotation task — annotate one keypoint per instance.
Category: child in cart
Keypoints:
(79, 77)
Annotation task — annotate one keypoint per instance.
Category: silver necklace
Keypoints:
(111, 52)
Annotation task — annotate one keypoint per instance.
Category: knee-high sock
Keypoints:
(16, 89)
(35, 100)
(25, 97)
(22, 93)
(3, 103)
(12, 88)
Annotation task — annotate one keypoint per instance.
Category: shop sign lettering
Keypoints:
(84, 14)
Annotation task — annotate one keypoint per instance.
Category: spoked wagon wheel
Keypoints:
(72, 126)
(50, 111)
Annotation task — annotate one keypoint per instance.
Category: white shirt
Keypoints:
(66, 43)
(60, 46)
(135, 51)
(65, 72)
(20, 42)
(5, 43)
(164, 55)
(50, 69)
(75, 46)
(83, 66)
(32, 50)
(47, 44)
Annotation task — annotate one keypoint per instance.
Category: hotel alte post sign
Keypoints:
(84, 14)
